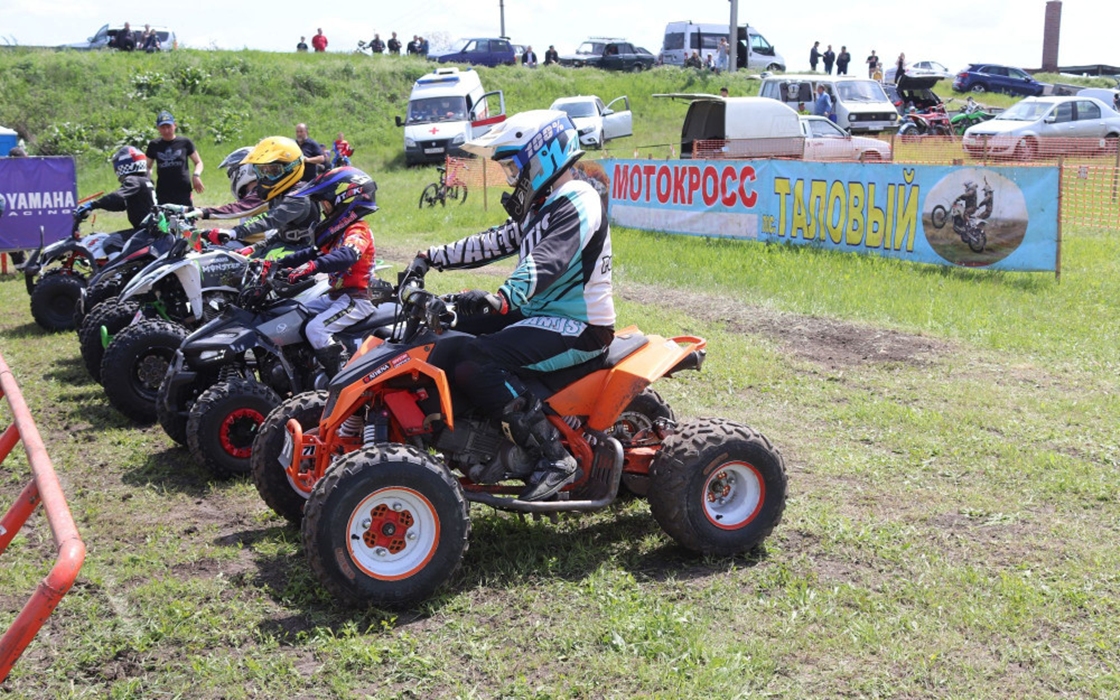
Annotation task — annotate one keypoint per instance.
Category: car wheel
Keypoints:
(979, 88)
(775, 68)
(636, 68)
(1026, 149)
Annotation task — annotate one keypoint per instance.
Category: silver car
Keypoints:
(1046, 125)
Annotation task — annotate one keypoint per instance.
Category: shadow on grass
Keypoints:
(172, 468)
(30, 329)
(70, 371)
(505, 553)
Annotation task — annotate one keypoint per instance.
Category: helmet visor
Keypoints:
(270, 171)
(511, 168)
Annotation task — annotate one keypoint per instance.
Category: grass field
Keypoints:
(950, 437)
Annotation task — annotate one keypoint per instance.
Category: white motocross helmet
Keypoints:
(242, 176)
(533, 148)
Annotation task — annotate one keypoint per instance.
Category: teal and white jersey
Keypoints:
(564, 264)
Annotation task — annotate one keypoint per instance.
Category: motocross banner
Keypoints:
(1002, 218)
(36, 192)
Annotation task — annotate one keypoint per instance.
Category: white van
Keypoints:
(682, 38)
(860, 104)
(740, 127)
(446, 108)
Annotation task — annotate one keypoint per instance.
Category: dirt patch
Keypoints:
(829, 342)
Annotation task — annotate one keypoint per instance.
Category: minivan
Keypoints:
(446, 108)
(860, 104)
(740, 127)
(682, 38)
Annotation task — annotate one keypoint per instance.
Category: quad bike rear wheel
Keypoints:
(224, 422)
(53, 300)
(717, 487)
(270, 476)
(137, 361)
(115, 316)
(387, 526)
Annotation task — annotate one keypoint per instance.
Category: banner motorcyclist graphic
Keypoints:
(987, 216)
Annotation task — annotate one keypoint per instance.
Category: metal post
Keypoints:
(733, 39)
(502, 12)
(1058, 252)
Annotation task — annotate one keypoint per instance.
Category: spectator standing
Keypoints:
(124, 40)
(314, 157)
(394, 45)
(423, 47)
(170, 154)
(413, 47)
(1115, 104)
(376, 46)
(872, 64)
(900, 68)
(842, 61)
(319, 41)
(529, 58)
(694, 61)
(829, 58)
(709, 64)
(151, 42)
(814, 56)
(721, 55)
(551, 56)
(302, 45)
(822, 106)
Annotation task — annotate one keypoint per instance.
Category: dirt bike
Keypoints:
(968, 228)
(934, 121)
(55, 274)
(229, 374)
(969, 115)
(381, 466)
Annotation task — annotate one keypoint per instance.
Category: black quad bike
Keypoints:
(229, 374)
(382, 465)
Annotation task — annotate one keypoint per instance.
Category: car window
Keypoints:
(1025, 111)
(760, 45)
(437, 109)
(673, 41)
(481, 46)
(1088, 110)
(822, 129)
(995, 70)
(1064, 112)
(861, 91)
(576, 110)
(1018, 74)
(499, 46)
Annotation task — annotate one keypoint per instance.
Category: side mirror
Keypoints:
(399, 122)
(608, 112)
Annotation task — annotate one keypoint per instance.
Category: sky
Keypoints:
(952, 32)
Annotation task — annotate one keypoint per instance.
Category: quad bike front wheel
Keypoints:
(224, 422)
(271, 478)
(54, 297)
(387, 526)
(717, 487)
(114, 316)
(172, 412)
(136, 361)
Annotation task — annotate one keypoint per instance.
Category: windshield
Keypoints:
(591, 48)
(437, 109)
(1025, 111)
(577, 110)
(458, 46)
(860, 91)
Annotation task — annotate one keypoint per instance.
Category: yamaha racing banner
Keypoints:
(36, 192)
(1003, 218)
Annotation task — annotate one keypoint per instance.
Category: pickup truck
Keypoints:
(609, 54)
(105, 38)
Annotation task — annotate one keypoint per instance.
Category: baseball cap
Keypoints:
(164, 118)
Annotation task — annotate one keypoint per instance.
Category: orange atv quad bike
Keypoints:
(381, 466)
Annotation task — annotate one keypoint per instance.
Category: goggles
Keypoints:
(271, 171)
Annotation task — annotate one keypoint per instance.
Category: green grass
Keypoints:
(949, 435)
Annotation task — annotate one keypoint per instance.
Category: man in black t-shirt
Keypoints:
(394, 45)
(314, 157)
(170, 154)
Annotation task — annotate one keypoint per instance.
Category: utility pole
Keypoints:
(502, 11)
(733, 38)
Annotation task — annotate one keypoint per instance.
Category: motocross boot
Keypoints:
(528, 427)
(331, 357)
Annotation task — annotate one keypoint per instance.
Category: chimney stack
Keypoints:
(1050, 33)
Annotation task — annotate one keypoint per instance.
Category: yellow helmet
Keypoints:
(278, 162)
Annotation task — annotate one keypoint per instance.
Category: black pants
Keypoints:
(492, 368)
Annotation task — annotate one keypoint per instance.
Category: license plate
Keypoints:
(286, 452)
(433, 150)
(875, 127)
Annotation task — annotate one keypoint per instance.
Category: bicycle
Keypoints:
(447, 188)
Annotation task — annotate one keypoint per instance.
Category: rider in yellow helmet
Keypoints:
(278, 162)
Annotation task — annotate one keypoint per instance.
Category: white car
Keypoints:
(597, 123)
(1038, 125)
(826, 141)
(920, 69)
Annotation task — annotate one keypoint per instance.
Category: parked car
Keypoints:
(826, 141)
(921, 69)
(105, 38)
(860, 104)
(479, 52)
(987, 77)
(914, 92)
(609, 54)
(1042, 125)
(1109, 96)
(597, 123)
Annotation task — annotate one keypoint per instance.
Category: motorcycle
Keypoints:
(969, 115)
(934, 121)
(55, 274)
(229, 374)
(970, 229)
(381, 466)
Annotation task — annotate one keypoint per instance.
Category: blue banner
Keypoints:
(36, 192)
(991, 217)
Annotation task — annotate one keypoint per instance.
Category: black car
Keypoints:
(609, 54)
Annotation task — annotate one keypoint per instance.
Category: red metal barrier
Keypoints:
(43, 488)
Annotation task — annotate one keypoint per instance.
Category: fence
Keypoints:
(43, 488)
(1090, 168)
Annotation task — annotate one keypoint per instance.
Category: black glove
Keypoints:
(82, 211)
(419, 266)
(476, 302)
